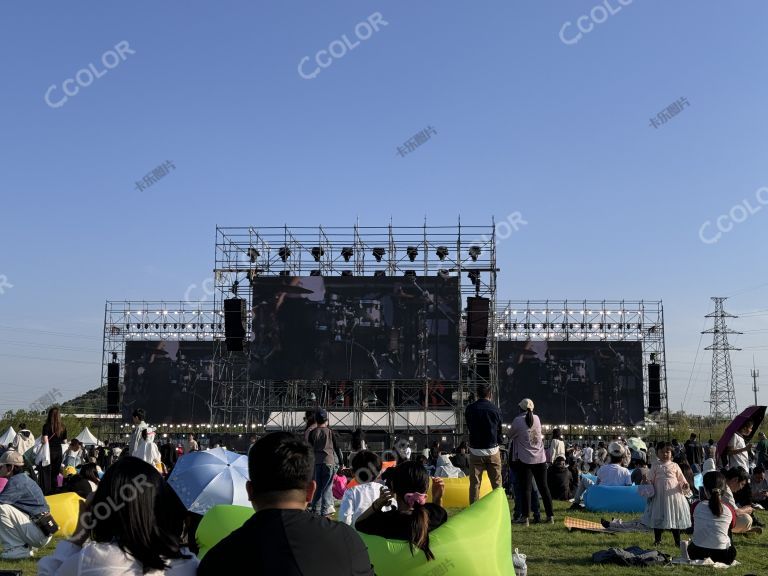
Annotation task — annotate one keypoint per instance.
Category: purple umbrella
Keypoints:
(754, 414)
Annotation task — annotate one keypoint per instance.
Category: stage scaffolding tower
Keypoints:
(590, 321)
(390, 405)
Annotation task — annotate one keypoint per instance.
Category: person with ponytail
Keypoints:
(414, 518)
(713, 521)
(531, 460)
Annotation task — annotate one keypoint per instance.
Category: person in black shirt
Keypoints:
(559, 480)
(413, 519)
(281, 538)
(483, 420)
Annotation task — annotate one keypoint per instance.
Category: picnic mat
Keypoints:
(579, 524)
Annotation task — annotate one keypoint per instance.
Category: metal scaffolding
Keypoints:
(722, 395)
(422, 404)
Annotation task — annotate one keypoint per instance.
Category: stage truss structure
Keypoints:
(154, 320)
(590, 321)
(419, 405)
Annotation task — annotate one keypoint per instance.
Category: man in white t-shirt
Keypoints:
(610, 474)
(588, 453)
(738, 449)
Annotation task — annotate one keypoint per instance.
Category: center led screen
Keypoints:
(355, 328)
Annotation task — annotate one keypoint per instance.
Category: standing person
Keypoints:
(168, 454)
(529, 446)
(140, 533)
(694, 453)
(148, 450)
(24, 439)
(20, 501)
(281, 538)
(713, 521)
(135, 437)
(601, 454)
(738, 456)
(54, 434)
(761, 450)
(309, 423)
(483, 420)
(358, 443)
(668, 508)
(588, 453)
(556, 446)
(321, 440)
(190, 444)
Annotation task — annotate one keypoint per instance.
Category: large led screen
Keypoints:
(573, 382)
(170, 380)
(355, 328)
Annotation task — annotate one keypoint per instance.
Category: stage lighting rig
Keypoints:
(410, 273)
(317, 252)
(347, 253)
(378, 253)
(474, 252)
(412, 252)
(474, 277)
(379, 274)
(284, 253)
(443, 273)
(442, 252)
(253, 254)
(346, 272)
(315, 273)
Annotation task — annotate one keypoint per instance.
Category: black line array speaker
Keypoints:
(113, 388)
(654, 388)
(477, 322)
(482, 367)
(234, 324)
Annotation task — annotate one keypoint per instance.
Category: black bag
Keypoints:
(46, 523)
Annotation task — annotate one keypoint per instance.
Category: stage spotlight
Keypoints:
(474, 276)
(157, 326)
(284, 253)
(442, 252)
(412, 252)
(347, 253)
(317, 252)
(253, 254)
(285, 273)
(379, 274)
(378, 253)
(346, 272)
(474, 252)
(235, 285)
(410, 273)
(315, 273)
(443, 273)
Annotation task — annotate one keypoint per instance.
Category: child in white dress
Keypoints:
(668, 509)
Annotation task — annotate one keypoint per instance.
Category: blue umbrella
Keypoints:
(205, 479)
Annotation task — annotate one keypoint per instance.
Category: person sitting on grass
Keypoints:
(131, 525)
(559, 480)
(736, 479)
(366, 467)
(82, 483)
(759, 486)
(713, 520)
(414, 518)
(611, 474)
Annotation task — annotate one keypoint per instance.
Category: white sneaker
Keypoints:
(16, 553)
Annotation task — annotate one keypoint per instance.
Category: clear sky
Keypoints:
(532, 115)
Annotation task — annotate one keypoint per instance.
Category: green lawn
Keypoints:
(553, 551)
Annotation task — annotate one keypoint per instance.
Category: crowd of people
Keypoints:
(131, 517)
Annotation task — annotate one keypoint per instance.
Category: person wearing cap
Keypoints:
(20, 501)
(525, 432)
(610, 474)
(323, 444)
(483, 420)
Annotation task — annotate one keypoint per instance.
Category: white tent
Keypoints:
(8, 437)
(86, 438)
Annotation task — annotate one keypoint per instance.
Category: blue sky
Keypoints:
(525, 123)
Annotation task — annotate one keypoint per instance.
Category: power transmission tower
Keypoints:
(722, 396)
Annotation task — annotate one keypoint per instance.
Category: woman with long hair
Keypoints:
(54, 434)
(132, 525)
(414, 518)
(713, 521)
(531, 460)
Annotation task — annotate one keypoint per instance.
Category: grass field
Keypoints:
(553, 551)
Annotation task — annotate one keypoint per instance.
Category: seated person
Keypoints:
(712, 523)
(574, 469)
(141, 533)
(74, 455)
(610, 474)
(759, 486)
(461, 458)
(281, 537)
(446, 469)
(559, 480)
(366, 466)
(736, 479)
(82, 483)
(414, 518)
